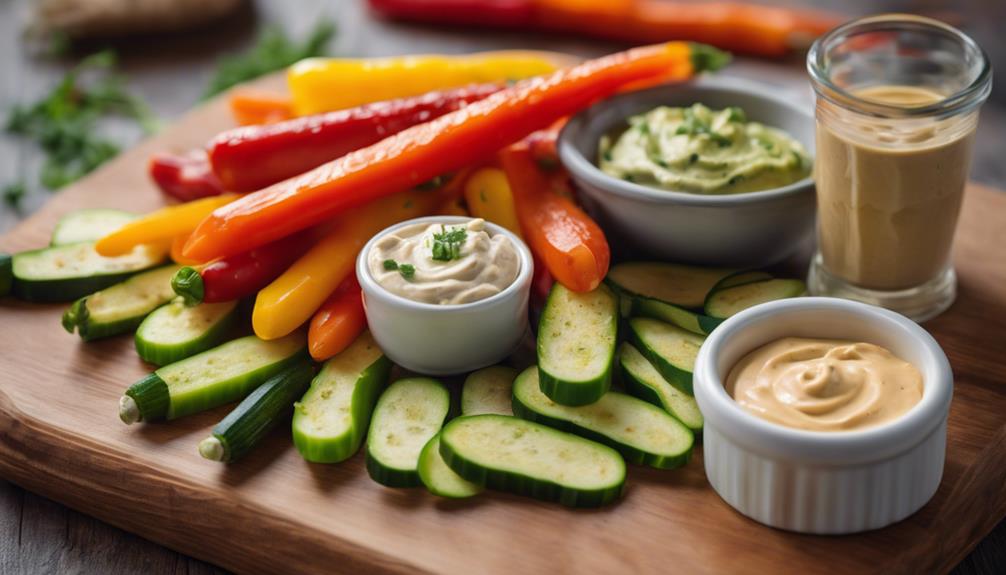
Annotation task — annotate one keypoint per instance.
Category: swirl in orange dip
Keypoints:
(824, 384)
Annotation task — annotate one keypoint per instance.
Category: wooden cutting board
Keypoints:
(274, 513)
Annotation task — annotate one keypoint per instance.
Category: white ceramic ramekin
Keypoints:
(813, 481)
(447, 339)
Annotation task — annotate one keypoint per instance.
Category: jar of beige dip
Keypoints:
(897, 108)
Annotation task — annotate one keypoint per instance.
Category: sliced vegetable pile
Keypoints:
(189, 278)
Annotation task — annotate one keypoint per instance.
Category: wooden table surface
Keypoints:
(40, 536)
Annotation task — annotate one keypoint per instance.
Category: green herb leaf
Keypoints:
(407, 271)
(13, 194)
(390, 265)
(447, 243)
(273, 51)
(64, 122)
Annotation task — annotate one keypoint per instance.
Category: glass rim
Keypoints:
(971, 96)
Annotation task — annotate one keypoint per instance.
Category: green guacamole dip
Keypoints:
(703, 151)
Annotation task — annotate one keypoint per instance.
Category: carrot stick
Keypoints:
(423, 152)
(250, 107)
(338, 321)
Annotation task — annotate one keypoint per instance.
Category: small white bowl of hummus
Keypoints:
(823, 415)
(446, 294)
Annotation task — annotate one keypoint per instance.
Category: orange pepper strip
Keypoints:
(162, 225)
(338, 321)
(176, 251)
(292, 298)
(250, 107)
(570, 244)
(420, 153)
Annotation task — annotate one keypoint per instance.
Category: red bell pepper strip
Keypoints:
(241, 275)
(253, 157)
(185, 178)
(510, 13)
(570, 244)
(422, 152)
(338, 321)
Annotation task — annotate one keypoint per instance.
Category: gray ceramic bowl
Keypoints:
(752, 229)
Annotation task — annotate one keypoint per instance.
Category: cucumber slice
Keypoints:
(66, 273)
(576, 344)
(488, 390)
(727, 302)
(670, 313)
(440, 479)
(527, 458)
(669, 348)
(332, 417)
(221, 375)
(6, 274)
(408, 414)
(89, 225)
(176, 331)
(645, 382)
(643, 433)
(685, 286)
(122, 307)
(741, 278)
(257, 414)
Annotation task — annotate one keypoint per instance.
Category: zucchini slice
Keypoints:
(122, 307)
(681, 285)
(741, 278)
(6, 274)
(440, 479)
(576, 344)
(88, 225)
(175, 331)
(408, 414)
(669, 348)
(221, 375)
(643, 433)
(679, 316)
(66, 273)
(488, 390)
(645, 382)
(528, 458)
(330, 420)
(257, 414)
(729, 301)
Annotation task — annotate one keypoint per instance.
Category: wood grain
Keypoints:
(59, 436)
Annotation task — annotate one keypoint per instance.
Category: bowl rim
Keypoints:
(582, 168)
(828, 447)
(372, 287)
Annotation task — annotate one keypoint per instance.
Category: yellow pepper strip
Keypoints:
(292, 298)
(163, 225)
(326, 84)
(487, 193)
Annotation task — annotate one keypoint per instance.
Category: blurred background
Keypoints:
(151, 68)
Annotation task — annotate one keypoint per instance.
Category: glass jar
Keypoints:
(897, 107)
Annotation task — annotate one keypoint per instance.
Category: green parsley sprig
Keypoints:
(408, 271)
(447, 243)
(64, 122)
(273, 51)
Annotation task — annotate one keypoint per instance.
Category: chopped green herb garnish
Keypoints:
(447, 243)
(693, 158)
(390, 265)
(273, 51)
(64, 122)
(407, 270)
(607, 156)
(737, 115)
